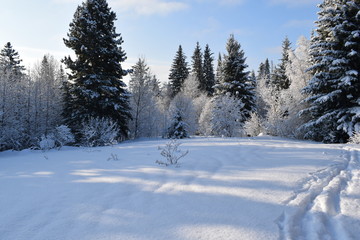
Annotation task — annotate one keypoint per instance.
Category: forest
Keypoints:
(312, 93)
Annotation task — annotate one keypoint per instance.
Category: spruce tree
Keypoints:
(97, 90)
(234, 79)
(218, 77)
(177, 130)
(197, 67)
(264, 72)
(335, 86)
(179, 72)
(208, 69)
(279, 79)
(10, 61)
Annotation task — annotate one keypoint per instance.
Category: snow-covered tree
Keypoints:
(254, 125)
(177, 129)
(12, 99)
(97, 89)
(191, 87)
(47, 96)
(10, 60)
(279, 78)
(144, 89)
(179, 72)
(208, 69)
(222, 116)
(234, 79)
(182, 108)
(278, 108)
(198, 98)
(335, 86)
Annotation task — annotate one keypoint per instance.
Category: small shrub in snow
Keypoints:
(99, 132)
(113, 157)
(172, 153)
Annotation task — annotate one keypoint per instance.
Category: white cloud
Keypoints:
(295, 3)
(148, 7)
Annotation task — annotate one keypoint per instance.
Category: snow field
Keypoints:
(231, 188)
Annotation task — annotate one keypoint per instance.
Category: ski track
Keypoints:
(315, 211)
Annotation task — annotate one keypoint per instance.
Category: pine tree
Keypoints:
(208, 69)
(179, 72)
(197, 67)
(235, 80)
(279, 78)
(335, 86)
(97, 90)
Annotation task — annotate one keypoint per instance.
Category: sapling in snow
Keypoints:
(172, 153)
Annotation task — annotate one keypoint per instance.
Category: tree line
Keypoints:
(312, 93)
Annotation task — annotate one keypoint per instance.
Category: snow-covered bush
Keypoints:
(98, 132)
(172, 153)
(355, 138)
(63, 136)
(253, 126)
(47, 142)
(58, 138)
(222, 116)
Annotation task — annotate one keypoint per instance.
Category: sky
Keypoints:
(154, 29)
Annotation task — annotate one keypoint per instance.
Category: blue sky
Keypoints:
(154, 29)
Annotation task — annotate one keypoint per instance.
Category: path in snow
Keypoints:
(224, 189)
(328, 205)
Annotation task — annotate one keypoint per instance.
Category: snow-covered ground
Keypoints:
(232, 188)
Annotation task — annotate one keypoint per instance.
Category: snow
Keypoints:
(224, 188)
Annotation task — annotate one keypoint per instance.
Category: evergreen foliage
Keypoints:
(235, 80)
(279, 78)
(264, 72)
(218, 76)
(208, 69)
(335, 86)
(10, 61)
(97, 90)
(179, 72)
(177, 129)
(197, 67)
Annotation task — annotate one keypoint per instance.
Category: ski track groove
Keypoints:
(314, 211)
